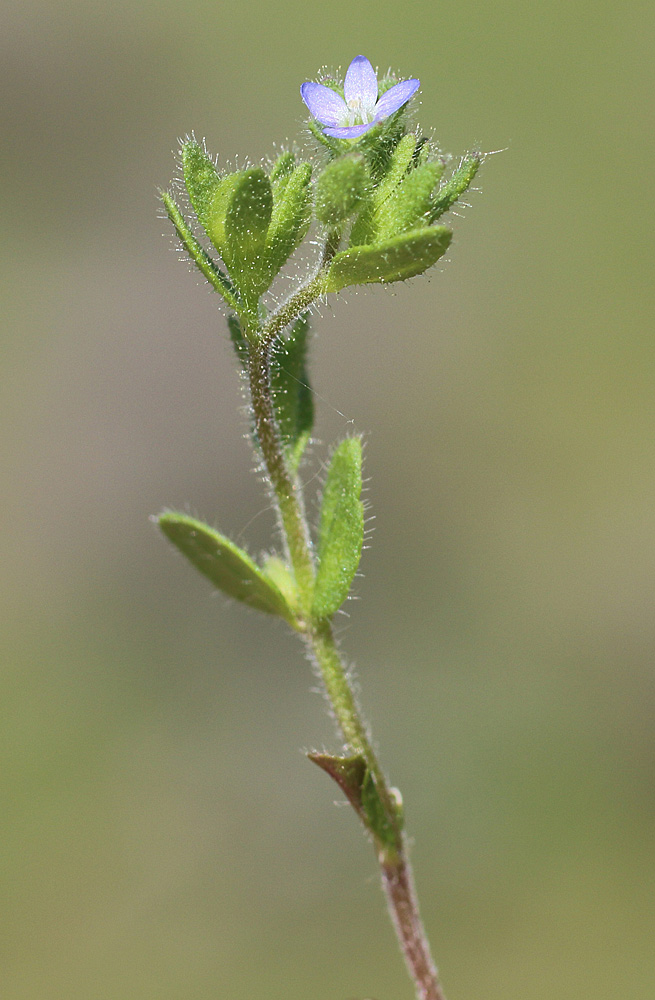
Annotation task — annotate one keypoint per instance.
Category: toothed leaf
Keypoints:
(341, 529)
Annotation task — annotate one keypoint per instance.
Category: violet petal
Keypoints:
(324, 104)
(395, 98)
(361, 83)
(349, 131)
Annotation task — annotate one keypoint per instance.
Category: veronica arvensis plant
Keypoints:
(372, 189)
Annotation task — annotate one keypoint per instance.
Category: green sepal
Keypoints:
(380, 142)
(376, 816)
(341, 529)
(409, 203)
(227, 566)
(423, 153)
(292, 395)
(247, 219)
(349, 774)
(333, 145)
(216, 278)
(398, 166)
(201, 179)
(392, 260)
(340, 189)
(291, 215)
(455, 187)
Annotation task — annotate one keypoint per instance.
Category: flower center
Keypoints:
(358, 113)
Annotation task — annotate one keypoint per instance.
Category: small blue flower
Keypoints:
(361, 109)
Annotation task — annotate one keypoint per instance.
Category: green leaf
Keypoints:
(247, 219)
(292, 395)
(408, 205)
(201, 179)
(238, 340)
(392, 260)
(365, 227)
(215, 226)
(291, 215)
(340, 189)
(219, 281)
(282, 168)
(341, 529)
(454, 188)
(227, 566)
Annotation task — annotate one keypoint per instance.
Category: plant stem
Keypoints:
(397, 878)
(396, 871)
(286, 488)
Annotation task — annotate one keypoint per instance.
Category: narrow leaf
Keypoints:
(216, 278)
(292, 394)
(238, 340)
(392, 260)
(227, 566)
(454, 188)
(341, 529)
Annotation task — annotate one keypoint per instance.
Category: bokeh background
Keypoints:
(163, 835)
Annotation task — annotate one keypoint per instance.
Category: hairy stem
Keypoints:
(286, 487)
(395, 868)
(398, 884)
(397, 879)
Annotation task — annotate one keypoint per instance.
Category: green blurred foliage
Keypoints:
(162, 834)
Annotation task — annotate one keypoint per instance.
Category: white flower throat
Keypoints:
(358, 112)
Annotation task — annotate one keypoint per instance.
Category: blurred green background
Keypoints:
(163, 835)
